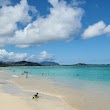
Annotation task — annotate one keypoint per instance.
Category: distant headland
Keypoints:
(44, 63)
(27, 63)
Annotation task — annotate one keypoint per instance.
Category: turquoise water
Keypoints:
(67, 74)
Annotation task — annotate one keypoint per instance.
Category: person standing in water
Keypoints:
(26, 74)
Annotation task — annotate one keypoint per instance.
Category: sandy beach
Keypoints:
(14, 96)
(10, 102)
(17, 88)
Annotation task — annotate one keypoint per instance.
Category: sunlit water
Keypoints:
(67, 74)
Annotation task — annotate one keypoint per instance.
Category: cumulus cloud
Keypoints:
(11, 56)
(96, 29)
(63, 21)
(45, 56)
(14, 57)
(10, 16)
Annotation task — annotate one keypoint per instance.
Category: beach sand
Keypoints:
(13, 96)
(10, 102)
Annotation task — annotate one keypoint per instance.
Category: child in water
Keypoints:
(35, 96)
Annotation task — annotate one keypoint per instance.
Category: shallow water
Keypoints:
(91, 73)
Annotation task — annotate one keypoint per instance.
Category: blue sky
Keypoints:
(65, 31)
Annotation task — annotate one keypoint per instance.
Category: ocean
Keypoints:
(62, 74)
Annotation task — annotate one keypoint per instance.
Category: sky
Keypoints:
(63, 31)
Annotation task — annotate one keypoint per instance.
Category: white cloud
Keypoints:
(14, 57)
(10, 16)
(63, 21)
(45, 56)
(11, 56)
(96, 29)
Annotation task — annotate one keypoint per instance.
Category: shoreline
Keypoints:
(48, 101)
(84, 97)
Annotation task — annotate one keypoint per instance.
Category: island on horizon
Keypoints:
(45, 63)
